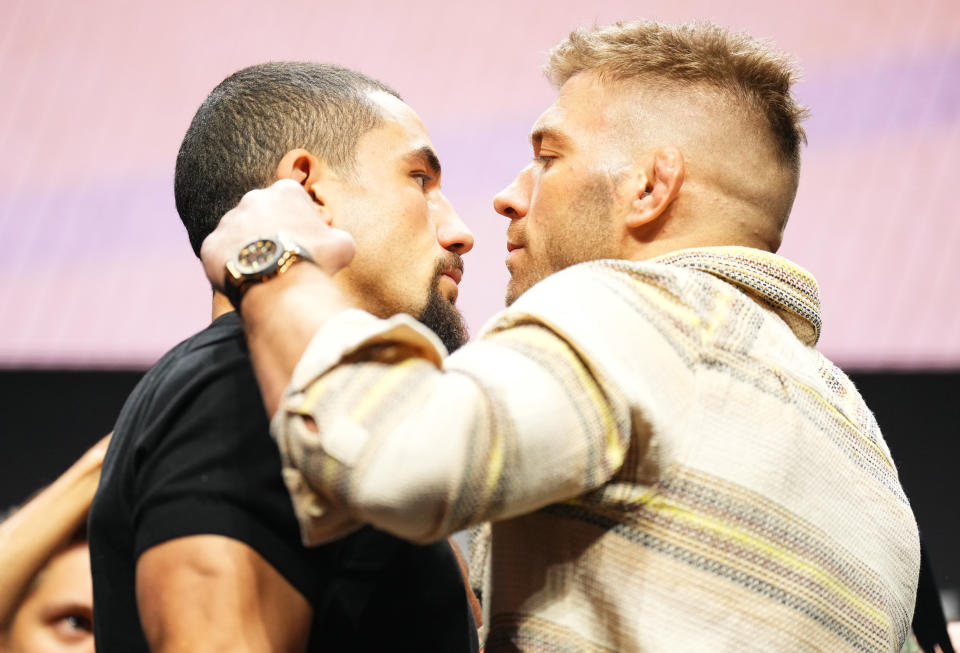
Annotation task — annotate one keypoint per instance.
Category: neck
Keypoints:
(723, 223)
(221, 306)
(661, 246)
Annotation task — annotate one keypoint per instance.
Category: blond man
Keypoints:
(667, 461)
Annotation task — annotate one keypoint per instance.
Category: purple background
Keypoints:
(95, 97)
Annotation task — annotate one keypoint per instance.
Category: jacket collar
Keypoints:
(777, 283)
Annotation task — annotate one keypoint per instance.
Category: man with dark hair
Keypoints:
(193, 539)
(252, 119)
(667, 461)
(258, 115)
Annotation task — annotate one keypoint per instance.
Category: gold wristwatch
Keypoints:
(260, 259)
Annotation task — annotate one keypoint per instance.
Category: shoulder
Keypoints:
(613, 282)
(219, 345)
(200, 371)
(597, 296)
(210, 354)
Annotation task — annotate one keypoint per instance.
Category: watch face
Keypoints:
(258, 255)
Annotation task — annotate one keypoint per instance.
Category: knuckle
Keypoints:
(249, 197)
(287, 186)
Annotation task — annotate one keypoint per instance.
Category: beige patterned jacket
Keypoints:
(668, 463)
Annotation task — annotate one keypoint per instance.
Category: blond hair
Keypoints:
(754, 75)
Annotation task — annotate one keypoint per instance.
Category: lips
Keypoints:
(512, 245)
(454, 274)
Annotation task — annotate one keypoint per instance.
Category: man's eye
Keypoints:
(422, 179)
(544, 160)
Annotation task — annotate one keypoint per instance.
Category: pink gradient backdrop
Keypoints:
(96, 97)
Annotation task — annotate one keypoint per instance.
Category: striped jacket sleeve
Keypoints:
(377, 427)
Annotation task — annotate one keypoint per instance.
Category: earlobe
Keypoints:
(659, 187)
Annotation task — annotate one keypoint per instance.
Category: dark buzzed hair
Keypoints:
(252, 119)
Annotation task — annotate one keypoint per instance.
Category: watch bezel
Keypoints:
(248, 268)
(240, 274)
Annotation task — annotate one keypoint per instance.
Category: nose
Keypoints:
(514, 200)
(452, 233)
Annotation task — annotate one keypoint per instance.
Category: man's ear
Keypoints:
(660, 185)
(308, 171)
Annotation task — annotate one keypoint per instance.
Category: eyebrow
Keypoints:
(554, 134)
(426, 157)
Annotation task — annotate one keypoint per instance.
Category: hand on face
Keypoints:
(283, 207)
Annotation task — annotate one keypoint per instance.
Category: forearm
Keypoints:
(34, 532)
(422, 452)
(280, 318)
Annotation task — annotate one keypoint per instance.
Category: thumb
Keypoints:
(335, 251)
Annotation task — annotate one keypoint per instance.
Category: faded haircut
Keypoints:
(750, 72)
(252, 119)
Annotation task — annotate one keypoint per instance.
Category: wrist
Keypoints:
(280, 318)
(73, 490)
(299, 293)
(260, 259)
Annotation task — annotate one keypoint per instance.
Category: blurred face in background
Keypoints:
(56, 615)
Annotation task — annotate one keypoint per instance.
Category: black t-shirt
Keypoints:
(191, 454)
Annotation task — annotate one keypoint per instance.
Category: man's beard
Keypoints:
(441, 315)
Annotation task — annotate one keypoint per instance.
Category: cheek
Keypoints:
(29, 633)
(550, 198)
(72, 634)
(541, 222)
(414, 268)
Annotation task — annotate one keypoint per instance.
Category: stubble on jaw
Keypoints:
(586, 236)
(514, 290)
(437, 313)
(521, 279)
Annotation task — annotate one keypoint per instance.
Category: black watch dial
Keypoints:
(258, 256)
